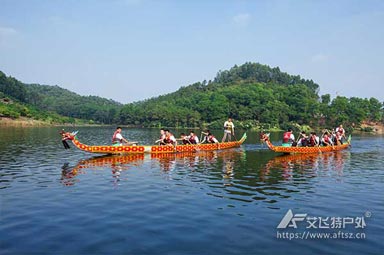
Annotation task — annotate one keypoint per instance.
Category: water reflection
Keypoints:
(68, 174)
(309, 165)
(230, 174)
(115, 163)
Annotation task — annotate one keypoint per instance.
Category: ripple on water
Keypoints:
(225, 202)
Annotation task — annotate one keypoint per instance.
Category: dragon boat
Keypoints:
(304, 150)
(152, 149)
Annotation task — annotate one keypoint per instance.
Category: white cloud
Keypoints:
(242, 19)
(319, 58)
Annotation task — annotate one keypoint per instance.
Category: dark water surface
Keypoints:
(55, 201)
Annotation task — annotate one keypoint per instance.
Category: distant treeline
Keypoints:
(255, 95)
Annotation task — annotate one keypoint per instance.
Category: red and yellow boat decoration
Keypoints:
(152, 149)
(299, 149)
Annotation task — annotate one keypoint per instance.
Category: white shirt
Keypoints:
(340, 130)
(172, 138)
(196, 138)
(229, 126)
(119, 136)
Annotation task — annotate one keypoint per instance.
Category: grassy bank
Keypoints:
(30, 122)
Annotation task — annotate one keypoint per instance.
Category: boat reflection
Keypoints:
(167, 163)
(68, 174)
(115, 163)
(305, 164)
(249, 177)
(206, 162)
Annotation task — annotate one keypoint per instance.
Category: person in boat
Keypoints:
(117, 138)
(184, 139)
(192, 138)
(326, 140)
(303, 140)
(209, 138)
(169, 139)
(313, 140)
(288, 138)
(229, 130)
(337, 138)
(340, 131)
(160, 141)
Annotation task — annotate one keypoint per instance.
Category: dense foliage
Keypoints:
(254, 95)
(44, 99)
(16, 109)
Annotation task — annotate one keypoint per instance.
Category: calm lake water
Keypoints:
(56, 201)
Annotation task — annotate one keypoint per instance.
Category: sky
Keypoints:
(130, 50)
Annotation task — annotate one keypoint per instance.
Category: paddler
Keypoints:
(326, 140)
(184, 139)
(208, 137)
(169, 138)
(161, 138)
(288, 138)
(192, 138)
(117, 138)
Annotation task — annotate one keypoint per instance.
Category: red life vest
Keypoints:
(168, 140)
(211, 139)
(341, 131)
(114, 139)
(192, 139)
(327, 139)
(312, 140)
(286, 137)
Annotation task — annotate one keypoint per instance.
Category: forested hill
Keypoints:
(254, 95)
(41, 101)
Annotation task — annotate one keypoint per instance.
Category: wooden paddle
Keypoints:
(131, 143)
(298, 138)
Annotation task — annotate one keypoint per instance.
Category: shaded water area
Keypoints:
(56, 201)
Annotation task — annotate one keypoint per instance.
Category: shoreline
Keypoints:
(365, 127)
(28, 122)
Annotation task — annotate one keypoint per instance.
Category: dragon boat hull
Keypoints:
(307, 150)
(155, 149)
